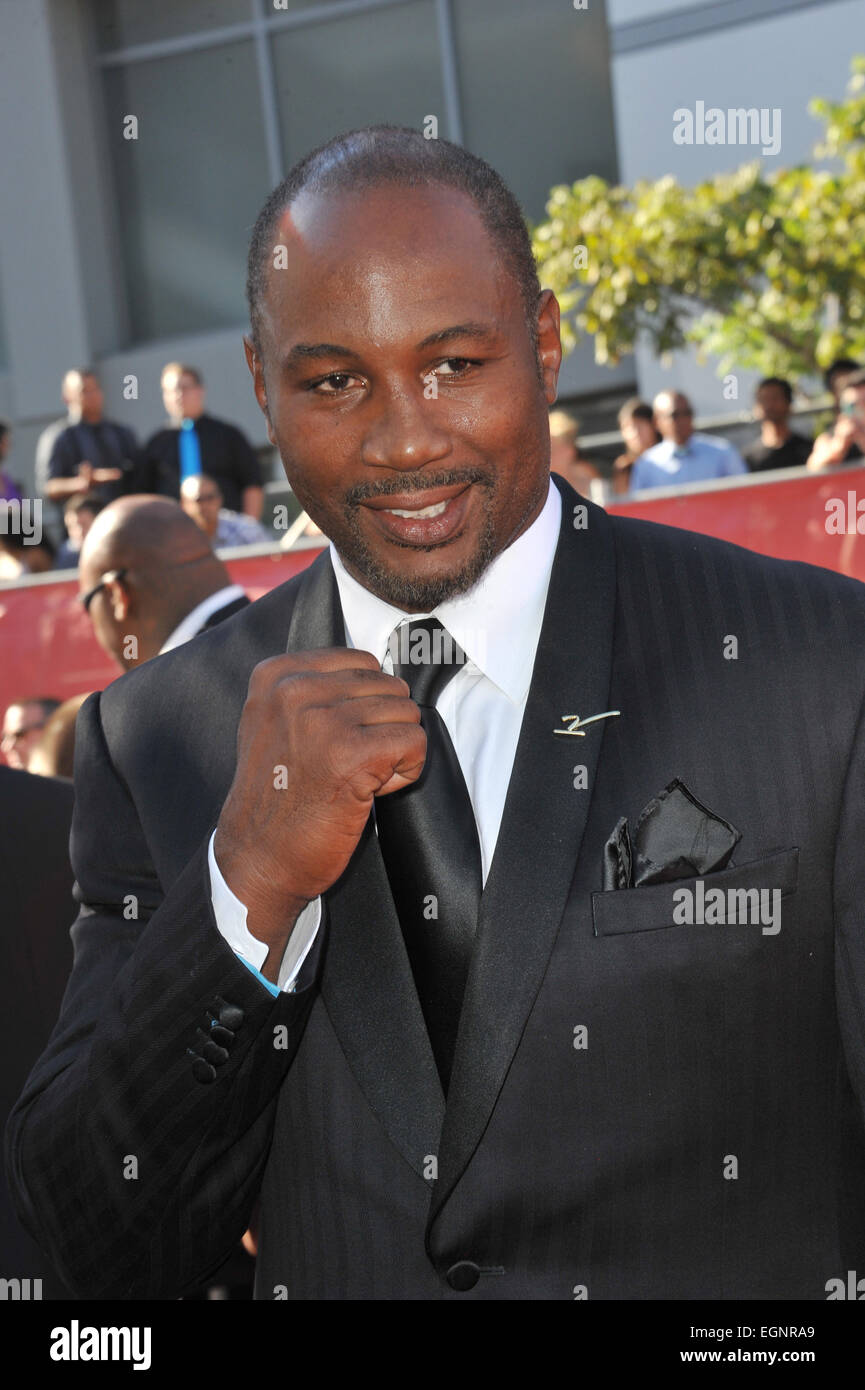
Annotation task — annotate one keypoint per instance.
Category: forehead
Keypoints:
(383, 263)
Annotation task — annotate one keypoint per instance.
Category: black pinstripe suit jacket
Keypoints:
(704, 1140)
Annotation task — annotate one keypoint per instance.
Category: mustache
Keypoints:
(415, 482)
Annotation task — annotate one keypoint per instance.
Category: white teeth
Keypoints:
(435, 510)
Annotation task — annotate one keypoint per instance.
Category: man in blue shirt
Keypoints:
(682, 455)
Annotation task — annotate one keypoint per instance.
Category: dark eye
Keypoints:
(456, 365)
(332, 384)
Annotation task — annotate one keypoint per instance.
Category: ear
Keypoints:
(118, 597)
(256, 367)
(549, 343)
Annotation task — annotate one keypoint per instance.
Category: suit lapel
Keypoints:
(367, 984)
(541, 831)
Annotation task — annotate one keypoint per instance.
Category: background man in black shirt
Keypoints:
(93, 454)
(778, 445)
(219, 449)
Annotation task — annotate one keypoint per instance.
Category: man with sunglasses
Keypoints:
(150, 581)
(683, 456)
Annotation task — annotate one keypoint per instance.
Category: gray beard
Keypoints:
(416, 595)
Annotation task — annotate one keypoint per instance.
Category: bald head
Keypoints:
(150, 565)
(141, 532)
(674, 416)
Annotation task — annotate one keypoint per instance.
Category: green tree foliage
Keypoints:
(763, 270)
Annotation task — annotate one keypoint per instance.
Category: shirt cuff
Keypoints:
(230, 915)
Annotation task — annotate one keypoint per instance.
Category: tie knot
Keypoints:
(426, 656)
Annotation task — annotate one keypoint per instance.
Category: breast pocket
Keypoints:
(747, 894)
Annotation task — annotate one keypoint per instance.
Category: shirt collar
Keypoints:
(497, 632)
(195, 620)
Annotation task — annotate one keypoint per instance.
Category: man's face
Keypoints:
(638, 434)
(674, 418)
(84, 395)
(401, 387)
(22, 726)
(182, 396)
(772, 404)
(110, 627)
(78, 523)
(201, 499)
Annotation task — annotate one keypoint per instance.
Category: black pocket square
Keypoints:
(675, 837)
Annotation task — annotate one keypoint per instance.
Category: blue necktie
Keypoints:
(190, 451)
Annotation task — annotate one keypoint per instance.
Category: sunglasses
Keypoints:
(116, 575)
(111, 575)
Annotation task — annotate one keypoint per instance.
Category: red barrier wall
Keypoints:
(785, 515)
(47, 646)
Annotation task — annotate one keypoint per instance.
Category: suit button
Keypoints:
(463, 1276)
(223, 1036)
(203, 1071)
(230, 1016)
(212, 1052)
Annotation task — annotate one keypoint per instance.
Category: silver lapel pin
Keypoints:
(577, 725)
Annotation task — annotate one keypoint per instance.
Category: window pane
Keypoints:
(189, 187)
(121, 23)
(535, 89)
(379, 66)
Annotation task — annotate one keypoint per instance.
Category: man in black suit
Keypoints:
(149, 580)
(289, 992)
(35, 961)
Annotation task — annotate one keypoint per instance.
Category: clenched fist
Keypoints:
(321, 734)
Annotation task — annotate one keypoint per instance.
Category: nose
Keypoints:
(404, 429)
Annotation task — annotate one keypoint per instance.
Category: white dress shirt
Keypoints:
(194, 621)
(498, 625)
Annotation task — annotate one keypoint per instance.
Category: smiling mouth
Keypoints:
(417, 521)
(435, 509)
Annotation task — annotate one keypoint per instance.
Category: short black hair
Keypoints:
(389, 154)
(855, 379)
(841, 364)
(636, 409)
(781, 382)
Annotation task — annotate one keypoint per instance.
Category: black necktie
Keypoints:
(429, 842)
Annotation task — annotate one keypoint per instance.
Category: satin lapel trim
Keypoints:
(367, 984)
(542, 828)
